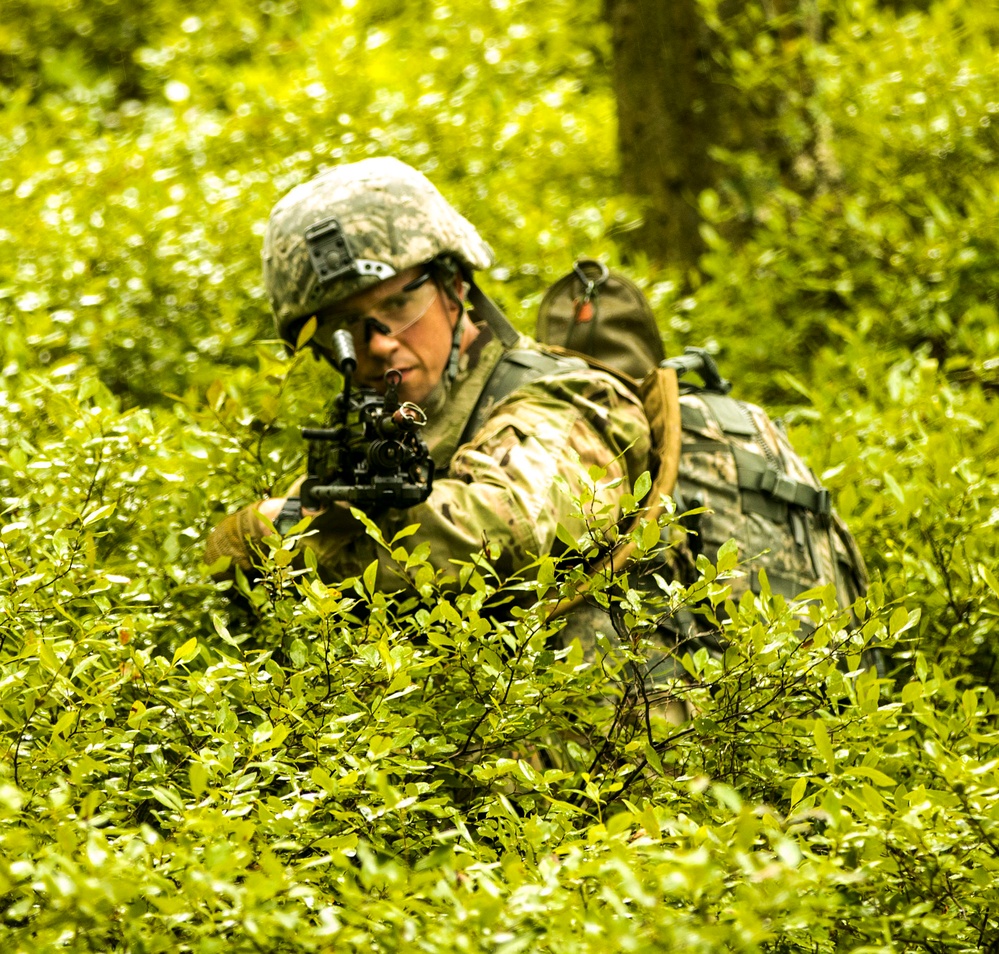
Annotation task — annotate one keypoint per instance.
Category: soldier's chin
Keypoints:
(410, 389)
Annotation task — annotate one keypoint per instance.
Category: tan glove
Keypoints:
(231, 538)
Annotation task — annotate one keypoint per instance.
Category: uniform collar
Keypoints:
(449, 408)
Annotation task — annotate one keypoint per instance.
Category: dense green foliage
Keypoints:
(322, 769)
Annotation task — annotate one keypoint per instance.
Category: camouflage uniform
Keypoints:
(510, 486)
(513, 482)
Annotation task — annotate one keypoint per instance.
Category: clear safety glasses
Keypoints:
(391, 316)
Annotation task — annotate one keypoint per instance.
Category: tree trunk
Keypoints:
(665, 121)
(678, 98)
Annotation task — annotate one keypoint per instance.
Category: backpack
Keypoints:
(730, 461)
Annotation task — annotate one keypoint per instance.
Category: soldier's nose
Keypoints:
(380, 345)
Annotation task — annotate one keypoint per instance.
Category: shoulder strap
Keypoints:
(516, 368)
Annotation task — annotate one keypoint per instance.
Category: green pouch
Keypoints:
(604, 316)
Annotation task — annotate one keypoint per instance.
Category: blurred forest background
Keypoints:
(807, 187)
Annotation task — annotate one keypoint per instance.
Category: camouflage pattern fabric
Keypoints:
(799, 547)
(391, 218)
(511, 486)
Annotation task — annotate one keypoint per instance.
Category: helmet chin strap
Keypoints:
(452, 362)
(485, 307)
(438, 396)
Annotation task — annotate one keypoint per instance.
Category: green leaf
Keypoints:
(893, 487)
(370, 576)
(47, 656)
(66, 721)
(912, 691)
(222, 630)
(186, 652)
(990, 578)
(566, 538)
(875, 775)
(798, 791)
(198, 775)
(902, 620)
(100, 513)
(405, 532)
(650, 822)
(728, 556)
(168, 798)
(653, 758)
(651, 535)
(642, 485)
(305, 334)
(822, 744)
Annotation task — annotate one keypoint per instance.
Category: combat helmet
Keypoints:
(354, 226)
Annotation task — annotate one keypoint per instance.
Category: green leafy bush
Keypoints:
(914, 467)
(319, 768)
(348, 771)
(885, 228)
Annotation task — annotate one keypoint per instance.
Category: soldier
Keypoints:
(375, 249)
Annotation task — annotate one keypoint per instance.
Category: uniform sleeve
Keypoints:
(515, 482)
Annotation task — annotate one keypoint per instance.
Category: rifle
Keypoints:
(373, 456)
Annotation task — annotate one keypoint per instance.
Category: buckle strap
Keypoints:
(756, 475)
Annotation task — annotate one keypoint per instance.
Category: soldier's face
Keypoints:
(420, 352)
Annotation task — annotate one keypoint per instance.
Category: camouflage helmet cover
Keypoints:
(389, 216)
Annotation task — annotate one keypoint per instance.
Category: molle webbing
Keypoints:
(765, 489)
(756, 475)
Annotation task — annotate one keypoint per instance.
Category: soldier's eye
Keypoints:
(394, 305)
